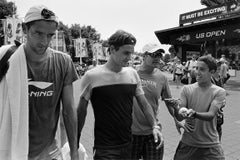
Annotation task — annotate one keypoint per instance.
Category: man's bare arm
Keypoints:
(81, 113)
(70, 119)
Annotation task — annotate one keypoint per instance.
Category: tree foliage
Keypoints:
(212, 3)
(105, 43)
(65, 29)
(75, 31)
(90, 33)
(87, 32)
(7, 9)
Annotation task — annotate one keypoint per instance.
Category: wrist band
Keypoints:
(156, 127)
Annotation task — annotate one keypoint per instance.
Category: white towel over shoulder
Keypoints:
(14, 108)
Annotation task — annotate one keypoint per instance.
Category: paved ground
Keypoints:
(231, 127)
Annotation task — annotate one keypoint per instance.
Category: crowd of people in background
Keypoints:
(183, 71)
(186, 70)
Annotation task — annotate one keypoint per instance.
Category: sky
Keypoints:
(139, 17)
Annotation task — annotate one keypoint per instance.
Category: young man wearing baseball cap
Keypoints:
(155, 86)
(111, 88)
(50, 75)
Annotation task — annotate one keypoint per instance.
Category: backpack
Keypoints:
(4, 64)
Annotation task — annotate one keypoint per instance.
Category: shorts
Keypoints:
(144, 147)
(186, 152)
(123, 153)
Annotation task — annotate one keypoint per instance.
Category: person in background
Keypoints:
(179, 68)
(49, 78)
(223, 58)
(111, 88)
(202, 101)
(224, 71)
(216, 77)
(155, 86)
(191, 67)
(217, 80)
(175, 59)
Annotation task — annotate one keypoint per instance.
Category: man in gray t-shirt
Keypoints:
(155, 86)
(203, 101)
(50, 77)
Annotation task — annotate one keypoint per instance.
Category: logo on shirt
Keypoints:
(40, 89)
(146, 83)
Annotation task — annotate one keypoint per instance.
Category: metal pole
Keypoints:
(56, 40)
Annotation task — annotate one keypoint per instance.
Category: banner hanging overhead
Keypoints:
(80, 47)
(98, 51)
(12, 30)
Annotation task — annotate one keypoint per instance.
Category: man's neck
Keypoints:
(34, 58)
(146, 69)
(205, 85)
(113, 66)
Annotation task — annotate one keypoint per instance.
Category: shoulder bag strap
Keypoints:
(4, 65)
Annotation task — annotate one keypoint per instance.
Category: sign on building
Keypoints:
(216, 33)
(210, 12)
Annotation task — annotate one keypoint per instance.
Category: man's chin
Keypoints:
(125, 65)
(41, 51)
(201, 81)
(198, 79)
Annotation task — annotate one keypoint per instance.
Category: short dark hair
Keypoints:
(29, 24)
(209, 61)
(120, 38)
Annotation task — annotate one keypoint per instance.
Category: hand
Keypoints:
(179, 125)
(172, 103)
(191, 113)
(189, 126)
(158, 137)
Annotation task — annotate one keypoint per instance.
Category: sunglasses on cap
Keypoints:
(47, 14)
(157, 54)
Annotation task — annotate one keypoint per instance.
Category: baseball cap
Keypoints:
(40, 12)
(151, 48)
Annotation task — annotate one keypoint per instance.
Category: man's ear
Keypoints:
(24, 28)
(212, 71)
(144, 56)
(111, 48)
